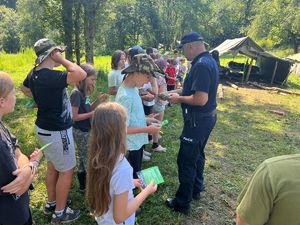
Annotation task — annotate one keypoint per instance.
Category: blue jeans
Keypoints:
(191, 159)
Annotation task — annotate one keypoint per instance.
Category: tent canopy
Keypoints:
(244, 45)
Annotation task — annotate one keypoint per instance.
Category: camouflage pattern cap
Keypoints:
(43, 48)
(143, 63)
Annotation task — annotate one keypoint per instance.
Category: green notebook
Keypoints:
(149, 174)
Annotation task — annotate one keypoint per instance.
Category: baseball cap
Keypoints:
(188, 38)
(135, 50)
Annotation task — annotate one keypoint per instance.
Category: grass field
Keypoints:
(246, 134)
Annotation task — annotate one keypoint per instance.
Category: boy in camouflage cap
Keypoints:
(48, 87)
(140, 71)
(44, 47)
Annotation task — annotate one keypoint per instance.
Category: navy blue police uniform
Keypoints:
(198, 124)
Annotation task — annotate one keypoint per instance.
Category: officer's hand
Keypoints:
(174, 98)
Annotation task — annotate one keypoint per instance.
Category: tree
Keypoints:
(67, 18)
(90, 26)
(278, 21)
(9, 39)
(29, 22)
(77, 5)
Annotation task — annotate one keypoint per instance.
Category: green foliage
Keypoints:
(105, 26)
(31, 27)
(9, 39)
(265, 43)
(278, 21)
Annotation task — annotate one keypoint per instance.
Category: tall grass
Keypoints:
(17, 65)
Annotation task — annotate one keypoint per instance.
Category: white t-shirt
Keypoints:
(115, 79)
(121, 181)
(146, 87)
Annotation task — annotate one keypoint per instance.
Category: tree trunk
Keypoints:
(90, 9)
(295, 43)
(12, 4)
(67, 19)
(77, 30)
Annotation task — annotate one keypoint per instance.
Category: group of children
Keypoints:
(110, 137)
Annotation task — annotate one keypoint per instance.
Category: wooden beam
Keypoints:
(232, 85)
(273, 89)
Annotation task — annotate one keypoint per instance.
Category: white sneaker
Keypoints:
(146, 153)
(159, 149)
(146, 158)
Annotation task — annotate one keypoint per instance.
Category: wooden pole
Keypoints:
(221, 91)
(244, 71)
(249, 70)
(274, 72)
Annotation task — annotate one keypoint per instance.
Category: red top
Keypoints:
(171, 71)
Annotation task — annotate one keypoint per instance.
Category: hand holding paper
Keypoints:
(151, 188)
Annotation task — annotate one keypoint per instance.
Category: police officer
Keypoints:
(198, 103)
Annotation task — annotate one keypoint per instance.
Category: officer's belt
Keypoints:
(198, 114)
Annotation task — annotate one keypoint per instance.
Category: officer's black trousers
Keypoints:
(191, 159)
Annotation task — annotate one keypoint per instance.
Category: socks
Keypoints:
(59, 213)
(52, 203)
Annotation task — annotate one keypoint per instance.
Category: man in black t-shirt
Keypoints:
(198, 103)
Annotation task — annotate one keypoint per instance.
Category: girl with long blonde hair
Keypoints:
(109, 175)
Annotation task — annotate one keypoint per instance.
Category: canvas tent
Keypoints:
(271, 68)
(296, 59)
(244, 45)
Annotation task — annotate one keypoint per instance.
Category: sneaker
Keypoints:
(146, 153)
(68, 215)
(146, 158)
(49, 209)
(159, 149)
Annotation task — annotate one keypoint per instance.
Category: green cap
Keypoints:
(143, 63)
(43, 48)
